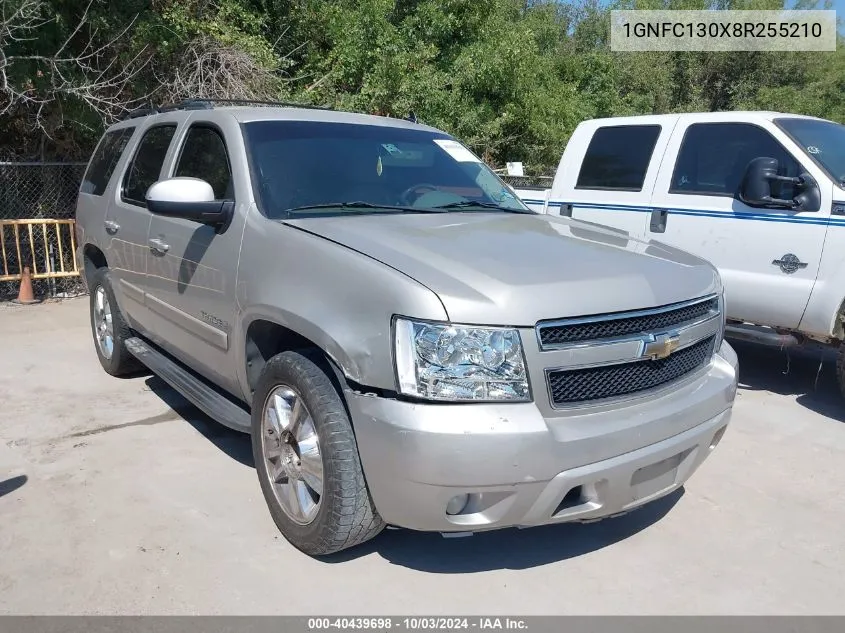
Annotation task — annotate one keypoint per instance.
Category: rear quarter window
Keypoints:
(105, 159)
(617, 157)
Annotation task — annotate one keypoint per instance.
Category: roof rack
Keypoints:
(208, 104)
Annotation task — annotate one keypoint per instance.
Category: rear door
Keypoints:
(127, 220)
(768, 257)
(93, 207)
(615, 168)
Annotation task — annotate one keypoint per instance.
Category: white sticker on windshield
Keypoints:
(457, 151)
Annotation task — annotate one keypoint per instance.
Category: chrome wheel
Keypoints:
(103, 325)
(291, 450)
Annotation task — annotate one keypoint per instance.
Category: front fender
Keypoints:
(341, 300)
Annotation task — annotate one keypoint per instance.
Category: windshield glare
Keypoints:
(822, 141)
(300, 164)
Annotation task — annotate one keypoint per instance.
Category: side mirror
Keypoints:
(756, 187)
(189, 199)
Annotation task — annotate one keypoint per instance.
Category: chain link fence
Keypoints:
(45, 192)
(528, 182)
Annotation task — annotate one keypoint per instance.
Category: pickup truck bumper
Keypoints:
(473, 467)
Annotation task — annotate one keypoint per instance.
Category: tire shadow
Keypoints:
(509, 548)
(233, 443)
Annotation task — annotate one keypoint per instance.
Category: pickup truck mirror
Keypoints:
(190, 199)
(756, 188)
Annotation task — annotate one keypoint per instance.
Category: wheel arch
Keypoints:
(267, 336)
(837, 327)
(92, 260)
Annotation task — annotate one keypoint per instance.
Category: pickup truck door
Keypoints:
(617, 173)
(127, 220)
(768, 257)
(192, 267)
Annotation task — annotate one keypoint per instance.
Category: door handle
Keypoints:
(658, 220)
(159, 246)
(112, 227)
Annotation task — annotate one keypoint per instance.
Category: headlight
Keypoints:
(444, 361)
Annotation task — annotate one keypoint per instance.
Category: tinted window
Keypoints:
(822, 141)
(146, 165)
(204, 156)
(104, 160)
(297, 164)
(713, 158)
(618, 157)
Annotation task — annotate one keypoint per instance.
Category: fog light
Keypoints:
(456, 504)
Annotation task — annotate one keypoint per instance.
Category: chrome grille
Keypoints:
(568, 386)
(606, 326)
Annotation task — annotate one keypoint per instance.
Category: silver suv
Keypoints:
(405, 341)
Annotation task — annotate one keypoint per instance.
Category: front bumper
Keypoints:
(519, 468)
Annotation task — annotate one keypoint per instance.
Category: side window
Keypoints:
(204, 156)
(618, 157)
(104, 160)
(146, 165)
(713, 158)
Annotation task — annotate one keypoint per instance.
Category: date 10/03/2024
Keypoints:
(417, 624)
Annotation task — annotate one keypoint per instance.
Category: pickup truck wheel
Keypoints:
(109, 329)
(307, 459)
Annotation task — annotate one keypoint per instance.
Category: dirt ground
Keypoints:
(116, 496)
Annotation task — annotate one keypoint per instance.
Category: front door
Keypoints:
(768, 257)
(192, 267)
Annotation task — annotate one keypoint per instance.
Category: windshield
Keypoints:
(823, 142)
(305, 169)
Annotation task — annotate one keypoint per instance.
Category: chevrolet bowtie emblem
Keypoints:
(662, 346)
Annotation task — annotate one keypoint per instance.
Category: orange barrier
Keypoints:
(42, 249)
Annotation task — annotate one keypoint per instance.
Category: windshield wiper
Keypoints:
(364, 205)
(468, 204)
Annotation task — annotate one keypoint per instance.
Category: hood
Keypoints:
(516, 269)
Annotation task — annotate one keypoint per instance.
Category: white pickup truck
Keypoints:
(761, 195)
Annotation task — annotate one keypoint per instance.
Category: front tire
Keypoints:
(307, 459)
(108, 327)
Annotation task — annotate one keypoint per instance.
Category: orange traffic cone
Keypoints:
(25, 294)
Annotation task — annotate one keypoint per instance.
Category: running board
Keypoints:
(760, 335)
(194, 389)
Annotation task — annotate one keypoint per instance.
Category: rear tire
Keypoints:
(307, 459)
(109, 329)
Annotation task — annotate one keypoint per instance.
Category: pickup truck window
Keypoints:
(300, 164)
(822, 141)
(146, 164)
(204, 156)
(713, 158)
(105, 159)
(618, 157)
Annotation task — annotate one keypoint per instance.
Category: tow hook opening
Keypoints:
(572, 499)
(718, 437)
